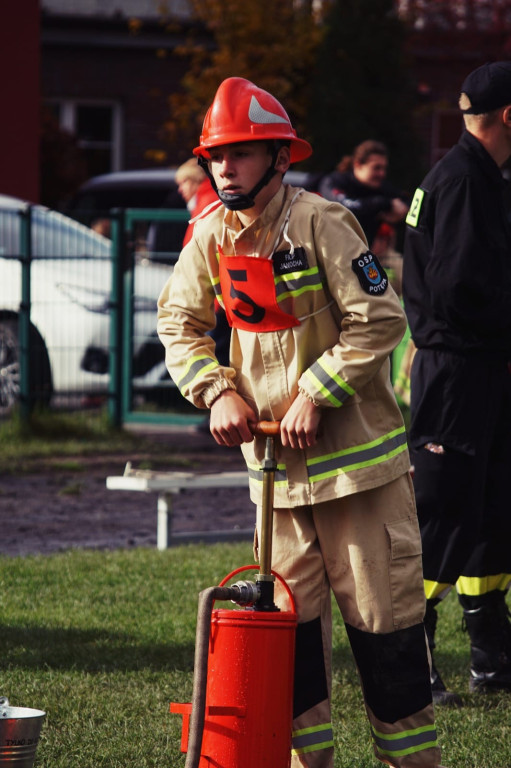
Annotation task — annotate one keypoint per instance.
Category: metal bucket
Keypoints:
(20, 728)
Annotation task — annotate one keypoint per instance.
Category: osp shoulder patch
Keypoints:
(370, 273)
(412, 218)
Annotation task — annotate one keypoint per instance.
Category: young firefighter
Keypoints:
(313, 323)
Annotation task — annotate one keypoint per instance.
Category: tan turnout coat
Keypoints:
(338, 353)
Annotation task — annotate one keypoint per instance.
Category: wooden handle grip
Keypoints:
(268, 428)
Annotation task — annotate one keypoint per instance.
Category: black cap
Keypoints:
(486, 88)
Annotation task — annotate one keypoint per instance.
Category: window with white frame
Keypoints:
(97, 127)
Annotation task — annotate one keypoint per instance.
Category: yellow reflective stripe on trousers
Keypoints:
(195, 367)
(434, 589)
(329, 383)
(311, 739)
(481, 585)
(405, 742)
(358, 457)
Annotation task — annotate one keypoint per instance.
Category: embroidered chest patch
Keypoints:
(370, 273)
(285, 261)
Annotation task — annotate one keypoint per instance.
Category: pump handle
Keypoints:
(268, 428)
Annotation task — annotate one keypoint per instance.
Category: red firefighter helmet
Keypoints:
(243, 112)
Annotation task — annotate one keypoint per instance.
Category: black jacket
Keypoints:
(457, 257)
(363, 201)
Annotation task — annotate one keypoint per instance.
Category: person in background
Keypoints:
(196, 190)
(457, 294)
(164, 238)
(102, 226)
(314, 321)
(360, 184)
(200, 197)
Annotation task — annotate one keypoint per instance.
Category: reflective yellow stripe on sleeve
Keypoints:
(328, 383)
(195, 367)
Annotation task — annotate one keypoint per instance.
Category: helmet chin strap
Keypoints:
(240, 201)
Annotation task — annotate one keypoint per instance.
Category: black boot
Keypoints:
(490, 643)
(440, 693)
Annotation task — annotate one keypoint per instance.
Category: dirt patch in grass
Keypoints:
(57, 504)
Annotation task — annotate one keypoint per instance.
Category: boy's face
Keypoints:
(237, 168)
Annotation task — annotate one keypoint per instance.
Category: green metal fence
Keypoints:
(78, 313)
(131, 239)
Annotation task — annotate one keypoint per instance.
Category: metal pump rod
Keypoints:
(264, 579)
(269, 468)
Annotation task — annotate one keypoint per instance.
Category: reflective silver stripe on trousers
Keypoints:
(407, 742)
(309, 739)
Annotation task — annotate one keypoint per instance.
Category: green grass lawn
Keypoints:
(47, 436)
(104, 641)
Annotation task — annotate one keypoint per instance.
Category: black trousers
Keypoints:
(463, 493)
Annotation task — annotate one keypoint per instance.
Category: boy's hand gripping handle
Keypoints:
(268, 428)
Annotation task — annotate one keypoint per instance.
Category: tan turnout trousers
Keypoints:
(366, 548)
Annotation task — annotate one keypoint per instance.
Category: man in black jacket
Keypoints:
(457, 292)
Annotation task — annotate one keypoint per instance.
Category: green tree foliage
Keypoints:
(362, 89)
(341, 72)
(272, 44)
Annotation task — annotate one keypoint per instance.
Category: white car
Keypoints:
(71, 278)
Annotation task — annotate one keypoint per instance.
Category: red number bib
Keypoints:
(248, 291)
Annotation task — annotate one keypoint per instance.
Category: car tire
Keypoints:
(40, 371)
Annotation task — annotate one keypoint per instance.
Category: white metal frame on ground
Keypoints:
(168, 484)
